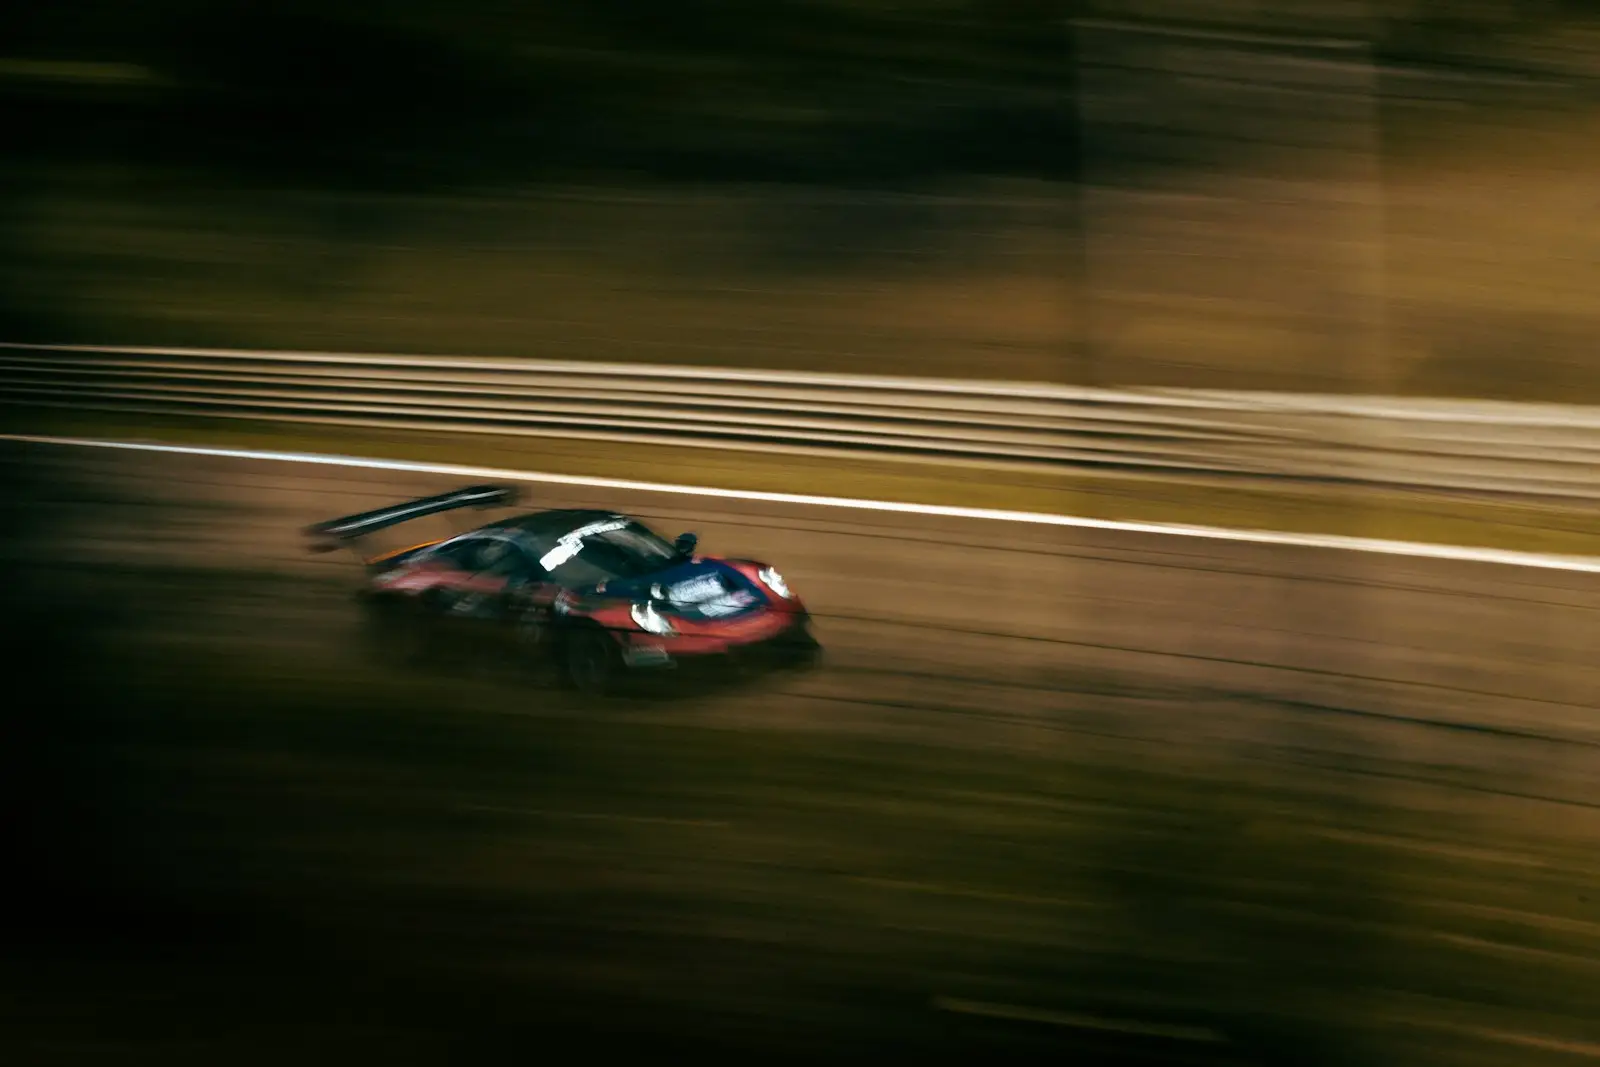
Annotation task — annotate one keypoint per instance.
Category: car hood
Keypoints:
(694, 589)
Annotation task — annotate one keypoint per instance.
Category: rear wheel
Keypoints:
(397, 631)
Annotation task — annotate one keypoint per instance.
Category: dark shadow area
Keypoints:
(235, 840)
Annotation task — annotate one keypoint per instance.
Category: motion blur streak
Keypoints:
(1115, 789)
(1059, 791)
(1463, 553)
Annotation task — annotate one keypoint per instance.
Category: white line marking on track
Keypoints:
(1335, 542)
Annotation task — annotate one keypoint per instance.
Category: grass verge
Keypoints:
(1565, 528)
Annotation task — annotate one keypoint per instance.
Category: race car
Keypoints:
(596, 595)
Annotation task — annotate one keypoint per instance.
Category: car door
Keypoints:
(513, 597)
(496, 593)
(525, 597)
(474, 597)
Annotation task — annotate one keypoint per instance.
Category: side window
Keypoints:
(460, 554)
(475, 554)
(504, 560)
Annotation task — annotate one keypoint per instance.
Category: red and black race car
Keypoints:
(597, 595)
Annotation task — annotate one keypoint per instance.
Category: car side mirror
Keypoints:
(685, 544)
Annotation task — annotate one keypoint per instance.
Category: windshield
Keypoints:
(603, 551)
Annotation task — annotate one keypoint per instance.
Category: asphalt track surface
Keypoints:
(1008, 615)
(1460, 687)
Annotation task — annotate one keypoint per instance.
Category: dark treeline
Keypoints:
(428, 93)
(421, 93)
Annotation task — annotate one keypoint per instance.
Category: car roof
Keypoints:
(554, 522)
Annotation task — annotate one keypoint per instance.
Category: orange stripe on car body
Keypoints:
(380, 557)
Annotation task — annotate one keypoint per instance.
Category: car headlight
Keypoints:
(774, 581)
(650, 621)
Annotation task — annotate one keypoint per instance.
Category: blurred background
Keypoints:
(1364, 196)
(1084, 797)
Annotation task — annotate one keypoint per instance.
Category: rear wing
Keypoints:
(349, 530)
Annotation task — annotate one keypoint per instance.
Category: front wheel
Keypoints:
(802, 650)
(593, 665)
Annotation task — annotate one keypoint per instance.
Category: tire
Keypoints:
(806, 658)
(592, 664)
(535, 644)
(802, 651)
(397, 632)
